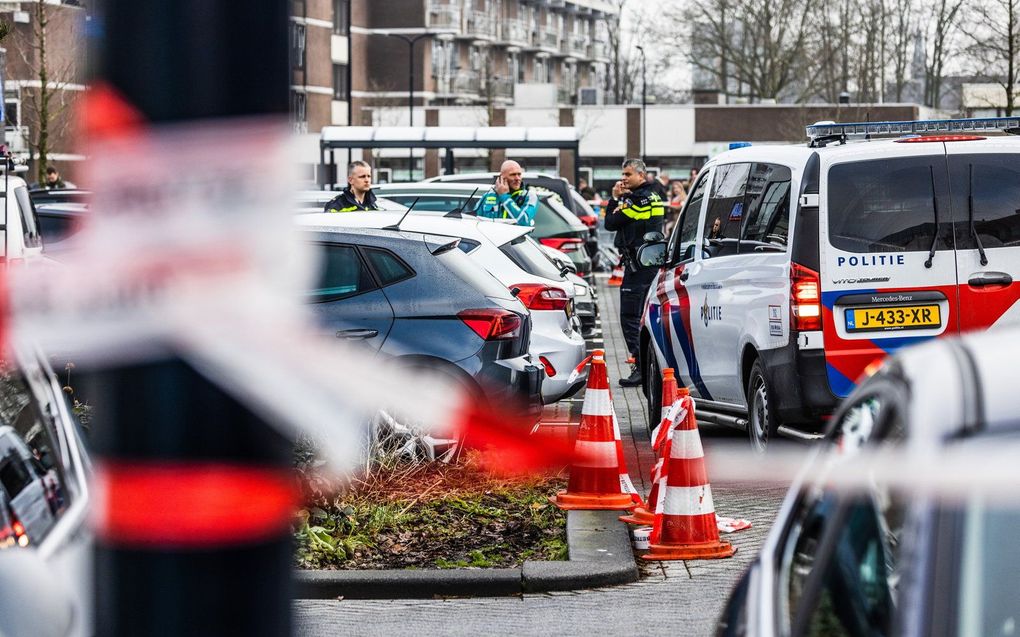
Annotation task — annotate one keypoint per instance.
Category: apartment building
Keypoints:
(320, 50)
(493, 53)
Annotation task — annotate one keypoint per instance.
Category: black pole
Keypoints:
(160, 426)
(644, 103)
(410, 102)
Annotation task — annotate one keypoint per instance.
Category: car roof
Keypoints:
(797, 155)
(465, 228)
(314, 223)
(490, 175)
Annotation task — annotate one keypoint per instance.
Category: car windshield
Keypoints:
(525, 252)
(55, 227)
(428, 202)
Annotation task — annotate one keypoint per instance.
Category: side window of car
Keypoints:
(841, 553)
(685, 233)
(767, 220)
(33, 493)
(726, 210)
(986, 187)
(389, 268)
(29, 223)
(343, 274)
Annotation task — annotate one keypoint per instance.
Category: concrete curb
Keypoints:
(600, 555)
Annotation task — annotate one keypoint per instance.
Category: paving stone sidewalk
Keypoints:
(672, 598)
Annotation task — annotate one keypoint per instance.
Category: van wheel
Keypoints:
(653, 378)
(761, 422)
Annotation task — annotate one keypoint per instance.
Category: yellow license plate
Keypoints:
(892, 318)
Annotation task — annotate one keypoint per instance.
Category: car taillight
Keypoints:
(805, 298)
(537, 296)
(550, 371)
(492, 324)
(19, 533)
(591, 221)
(563, 245)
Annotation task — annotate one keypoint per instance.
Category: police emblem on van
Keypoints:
(710, 312)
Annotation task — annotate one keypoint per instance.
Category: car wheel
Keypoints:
(761, 416)
(654, 388)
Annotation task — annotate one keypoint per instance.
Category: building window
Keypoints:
(341, 11)
(297, 45)
(299, 108)
(541, 72)
(340, 91)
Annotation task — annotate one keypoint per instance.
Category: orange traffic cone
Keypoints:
(685, 525)
(616, 279)
(597, 474)
(675, 413)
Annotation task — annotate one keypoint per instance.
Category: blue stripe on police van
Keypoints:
(840, 385)
(658, 333)
(676, 323)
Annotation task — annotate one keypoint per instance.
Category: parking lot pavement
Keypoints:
(672, 598)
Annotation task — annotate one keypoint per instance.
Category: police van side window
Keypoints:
(883, 205)
(726, 210)
(685, 234)
(987, 189)
(767, 222)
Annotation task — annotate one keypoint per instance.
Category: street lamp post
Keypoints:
(411, 40)
(644, 101)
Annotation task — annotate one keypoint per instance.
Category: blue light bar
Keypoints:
(937, 126)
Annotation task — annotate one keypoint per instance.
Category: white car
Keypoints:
(516, 261)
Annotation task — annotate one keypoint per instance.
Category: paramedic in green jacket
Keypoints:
(509, 198)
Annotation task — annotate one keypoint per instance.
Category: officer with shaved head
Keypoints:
(509, 198)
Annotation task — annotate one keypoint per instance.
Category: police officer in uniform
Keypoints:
(358, 194)
(634, 210)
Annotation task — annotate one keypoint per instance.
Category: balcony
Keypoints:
(458, 82)
(577, 45)
(516, 32)
(501, 88)
(481, 25)
(546, 39)
(443, 16)
(600, 50)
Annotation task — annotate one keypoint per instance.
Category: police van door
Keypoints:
(888, 268)
(985, 185)
(670, 319)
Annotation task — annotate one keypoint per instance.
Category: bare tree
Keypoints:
(904, 26)
(47, 106)
(994, 45)
(942, 29)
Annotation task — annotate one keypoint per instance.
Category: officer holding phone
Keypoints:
(509, 198)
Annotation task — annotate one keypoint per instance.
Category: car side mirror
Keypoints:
(654, 236)
(652, 254)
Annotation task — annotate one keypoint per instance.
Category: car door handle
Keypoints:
(982, 279)
(357, 335)
(685, 275)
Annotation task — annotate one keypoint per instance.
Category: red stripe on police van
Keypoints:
(190, 505)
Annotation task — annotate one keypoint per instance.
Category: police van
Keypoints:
(793, 270)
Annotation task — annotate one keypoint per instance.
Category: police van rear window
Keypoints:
(882, 205)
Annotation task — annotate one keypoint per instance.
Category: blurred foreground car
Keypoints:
(555, 226)
(44, 497)
(504, 251)
(884, 562)
(418, 298)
